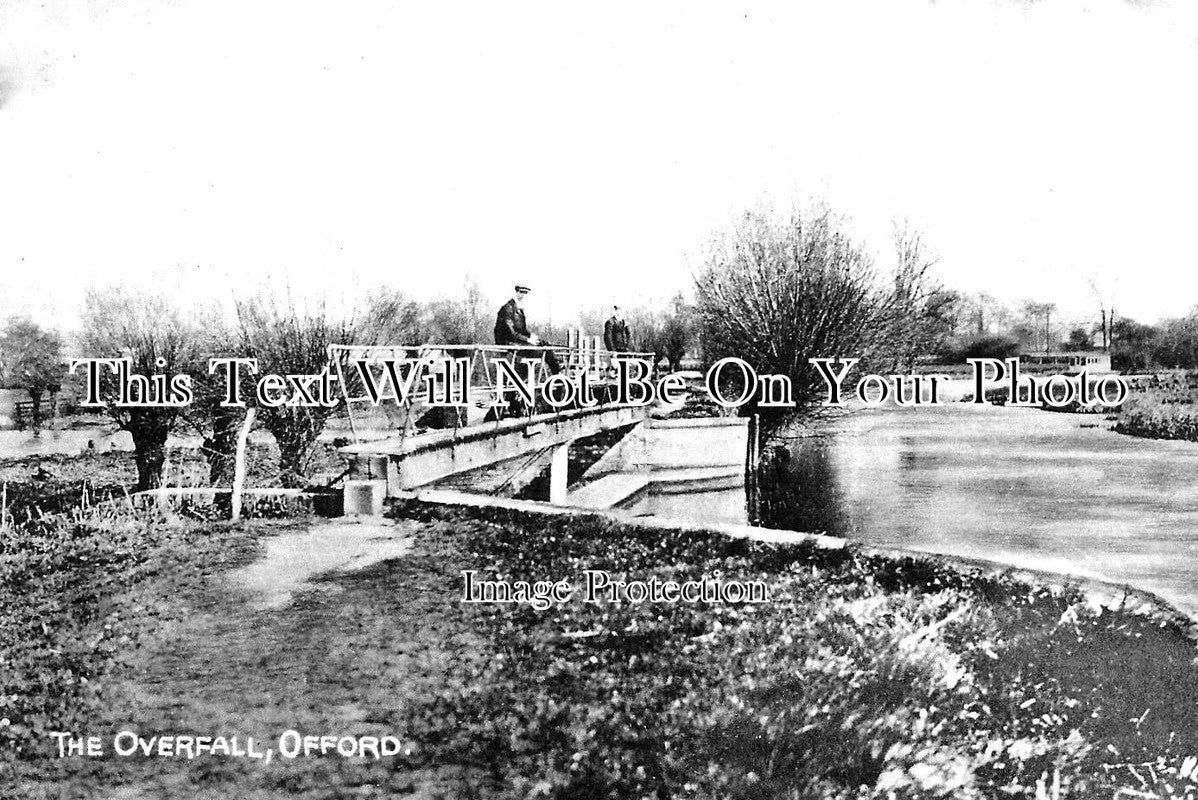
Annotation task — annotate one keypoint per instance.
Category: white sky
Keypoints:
(589, 150)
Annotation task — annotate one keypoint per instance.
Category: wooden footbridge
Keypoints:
(406, 436)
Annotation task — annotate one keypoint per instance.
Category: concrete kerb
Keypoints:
(466, 500)
(1098, 594)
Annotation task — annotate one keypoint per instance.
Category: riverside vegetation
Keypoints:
(1162, 407)
(864, 677)
(1159, 406)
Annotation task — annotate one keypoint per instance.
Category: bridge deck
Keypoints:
(419, 459)
(601, 418)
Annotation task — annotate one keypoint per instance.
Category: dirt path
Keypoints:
(338, 628)
(293, 558)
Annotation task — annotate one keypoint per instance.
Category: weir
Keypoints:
(666, 456)
(420, 442)
(497, 428)
(409, 462)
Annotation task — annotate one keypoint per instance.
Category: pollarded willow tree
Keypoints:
(777, 291)
(287, 339)
(158, 338)
(216, 423)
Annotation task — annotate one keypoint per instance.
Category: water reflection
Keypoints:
(1017, 485)
(1021, 486)
(811, 464)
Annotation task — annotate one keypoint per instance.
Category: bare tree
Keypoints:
(216, 422)
(920, 309)
(289, 340)
(777, 292)
(391, 318)
(158, 338)
(1040, 317)
(981, 302)
(1106, 312)
(677, 332)
(463, 319)
(647, 328)
(591, 320)
(987, 313)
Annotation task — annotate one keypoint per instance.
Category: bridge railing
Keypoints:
(473, 367)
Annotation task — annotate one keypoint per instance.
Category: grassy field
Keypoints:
(862, 677)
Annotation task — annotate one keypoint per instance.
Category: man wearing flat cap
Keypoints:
(511, 328)
(616, 336)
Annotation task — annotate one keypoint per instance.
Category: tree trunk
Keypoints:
(295, 431)
(35, 397)
(219, 448)
(293, 456)
(752, 472)
(149, 453)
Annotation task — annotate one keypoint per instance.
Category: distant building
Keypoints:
(1092, 361)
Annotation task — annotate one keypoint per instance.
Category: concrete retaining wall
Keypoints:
(697, 443)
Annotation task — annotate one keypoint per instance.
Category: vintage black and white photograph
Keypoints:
(621, 401)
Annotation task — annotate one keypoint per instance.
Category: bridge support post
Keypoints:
(559, 466)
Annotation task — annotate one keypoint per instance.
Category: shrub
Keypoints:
(981, 346)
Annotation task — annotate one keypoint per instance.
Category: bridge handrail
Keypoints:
(575, 360)
(478, 347)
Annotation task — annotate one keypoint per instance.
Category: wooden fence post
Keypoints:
(752, 469)
(243, 436)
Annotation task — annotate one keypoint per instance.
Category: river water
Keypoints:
(1049, 491)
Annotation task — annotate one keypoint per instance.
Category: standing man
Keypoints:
(511, 328)
(616, 336)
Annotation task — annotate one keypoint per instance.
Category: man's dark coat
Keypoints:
(510, 325)
(616, 336)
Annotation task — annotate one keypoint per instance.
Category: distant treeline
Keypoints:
(1133, 346)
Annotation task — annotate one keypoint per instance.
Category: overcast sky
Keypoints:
(589, 150)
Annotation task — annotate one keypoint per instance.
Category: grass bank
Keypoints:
(1001, 395)
(1161, 407)
(862, 677)
(40, 486)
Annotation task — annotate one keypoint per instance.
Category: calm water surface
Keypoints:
(1023, 486)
